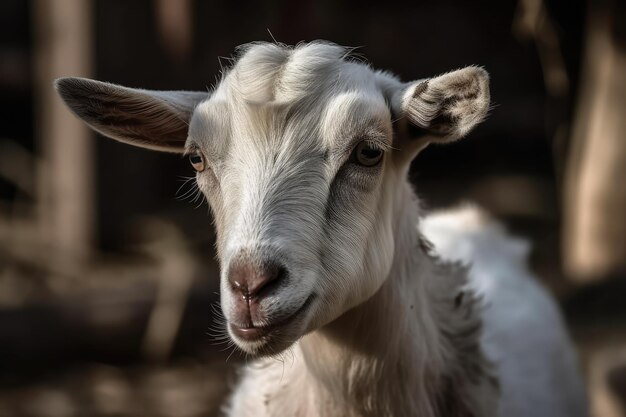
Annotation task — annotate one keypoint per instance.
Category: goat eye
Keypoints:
(367, 155)
(197, 161)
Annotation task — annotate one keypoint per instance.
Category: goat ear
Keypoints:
(444, 108)
(156, 120)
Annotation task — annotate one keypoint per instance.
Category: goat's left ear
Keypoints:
(441, 109)
(156, 120)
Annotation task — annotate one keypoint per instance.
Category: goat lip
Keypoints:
(249, 334)
(252, 334)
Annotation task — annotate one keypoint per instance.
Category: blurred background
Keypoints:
(108, 284)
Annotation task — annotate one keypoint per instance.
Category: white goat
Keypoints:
(303, 156)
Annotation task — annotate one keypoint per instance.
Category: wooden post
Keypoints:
(594, 229)
(174, 20)
(62, 37)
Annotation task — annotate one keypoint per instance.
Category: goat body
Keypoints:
(303, 155)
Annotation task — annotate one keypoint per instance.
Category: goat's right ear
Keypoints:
(156, 120)
(441, 109)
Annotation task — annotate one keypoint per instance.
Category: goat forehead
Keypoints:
(235, 129)
(313, 127)
(289, 101)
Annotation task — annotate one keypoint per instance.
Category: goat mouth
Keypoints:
(260, 333)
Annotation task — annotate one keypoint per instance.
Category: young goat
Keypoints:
(303, 155)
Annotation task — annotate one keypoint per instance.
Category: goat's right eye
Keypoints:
(197, 161)
(367, 155)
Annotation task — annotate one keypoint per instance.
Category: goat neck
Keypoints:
(413, 346)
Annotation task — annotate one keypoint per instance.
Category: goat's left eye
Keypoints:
(197, 161)
(367, 155)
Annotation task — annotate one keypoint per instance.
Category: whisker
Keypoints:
(191, 189)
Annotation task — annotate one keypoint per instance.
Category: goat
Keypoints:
(303, 155)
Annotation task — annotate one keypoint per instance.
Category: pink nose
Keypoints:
(252, 280)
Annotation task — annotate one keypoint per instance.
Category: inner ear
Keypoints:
(156, 120)
(447, 107)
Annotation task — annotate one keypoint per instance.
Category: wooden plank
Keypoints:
(594, 240)
(62, 37)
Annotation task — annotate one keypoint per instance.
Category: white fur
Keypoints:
(524, 333)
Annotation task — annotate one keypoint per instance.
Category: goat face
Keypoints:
(297, 194)
(301, 162)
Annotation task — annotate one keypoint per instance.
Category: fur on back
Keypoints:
(524, 334)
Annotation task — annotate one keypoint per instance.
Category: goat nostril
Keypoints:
(250, 280)
(239, 287)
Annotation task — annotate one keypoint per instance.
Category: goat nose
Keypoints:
(250, 280)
